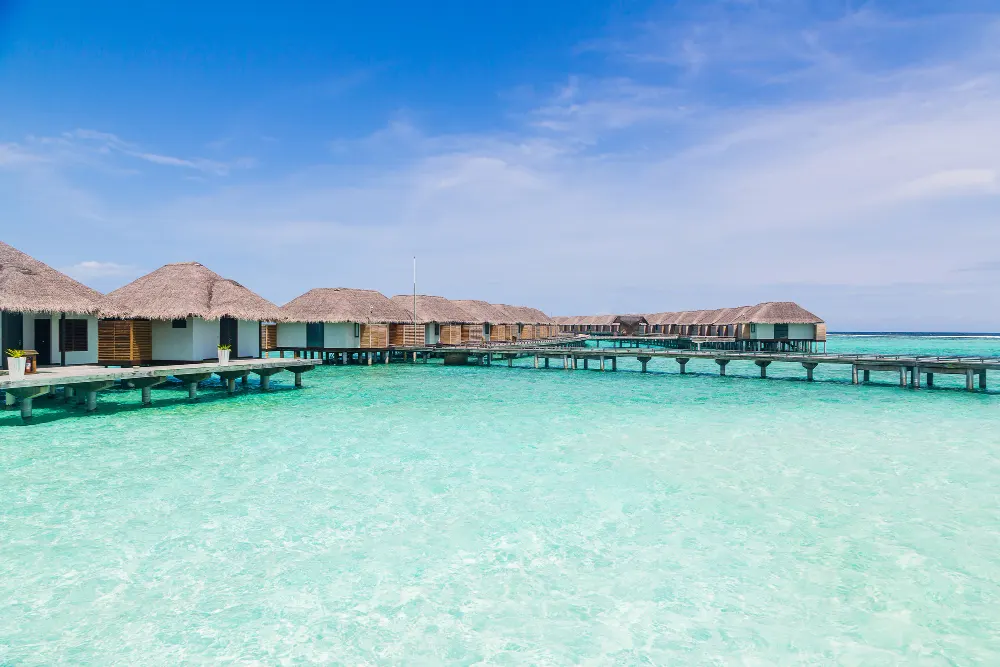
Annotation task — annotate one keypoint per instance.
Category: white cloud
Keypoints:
(90, 269)
(955, 182)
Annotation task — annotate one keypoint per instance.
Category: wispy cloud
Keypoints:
(91, 269)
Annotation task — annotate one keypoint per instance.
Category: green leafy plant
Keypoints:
(223, 348)
(15, 354)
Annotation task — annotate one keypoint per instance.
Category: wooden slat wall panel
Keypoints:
(374, 336)
(407, 335)
(472, 333)
(268, 337)
(451, 334)
(124, 341)
(501, 333)
(821, 332)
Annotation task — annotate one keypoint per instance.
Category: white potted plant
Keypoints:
(16, 362)
(224, 351)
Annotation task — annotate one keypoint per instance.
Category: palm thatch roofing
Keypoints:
(342, 304)
(485, 313)
(432, 309)
(190, 289)
(772, 312)
(630, 320)
(778, 312)
(30, 286)
(527, 315)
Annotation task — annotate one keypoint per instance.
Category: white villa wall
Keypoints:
(802, 331)
(762, 332)
(430, 336)
(248, 333)
(206, 339)
(292, 334)
(72, 358)
(340, 335)
(171, 344)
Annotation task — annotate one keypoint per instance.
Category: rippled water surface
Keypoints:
(417, 514)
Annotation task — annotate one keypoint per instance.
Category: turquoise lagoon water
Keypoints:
(416, 514)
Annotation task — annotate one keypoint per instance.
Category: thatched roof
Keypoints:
(432, 309)
(778, 312)
(30, 286)
(189, 289)
(524, 314)
(483, 312)
(342, 304)
(630, 320)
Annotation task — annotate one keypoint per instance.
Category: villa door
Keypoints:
(229, 335)
(314, 335)
(43, 341)
(12, 325)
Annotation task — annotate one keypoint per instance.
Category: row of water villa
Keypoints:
(184, 312)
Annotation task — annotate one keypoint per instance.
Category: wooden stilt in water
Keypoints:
(969, 374)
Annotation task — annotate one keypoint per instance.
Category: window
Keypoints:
(486, 329)
(75, 335)
(437, 328)
(780, 331)
(357, 330)
(179, 323)
(753, 328)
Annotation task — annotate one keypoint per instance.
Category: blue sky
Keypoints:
(576, 156)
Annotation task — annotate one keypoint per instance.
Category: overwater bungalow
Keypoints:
(46, 311)
(779, 325)
(443, 318)
(532, 324)
(341, 319)
(182, 313)
(490, 322)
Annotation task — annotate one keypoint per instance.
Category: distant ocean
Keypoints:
(431, 515)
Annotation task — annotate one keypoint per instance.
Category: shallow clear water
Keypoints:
(418, 514)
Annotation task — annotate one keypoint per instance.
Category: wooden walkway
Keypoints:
(81, 383)
(910, 369)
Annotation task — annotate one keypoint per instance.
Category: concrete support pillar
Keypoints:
(25, 407)
(683, 364)
(385, 355)
(930, 379)
(915, 377)
(536, 361)
(586, 363)
(809, 366)
(81, 397)
(91, 401)
(546, 362)
(244, 381)
(368, 358)
(52, 392)
(193, 391)
(902, 376)
(68, 393)
(510, 361)
(614, 363)
(969, 385)
(414, 356)
(9, 400)
(854, 373)
(643, 361)
(147, 396)
(722, 365)
(868, 376)
(602, 363)
(343, 358)
(763, 367)
(489, 359)
(982, 379)
(565, 362)
(298, 380)
(265, 382)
